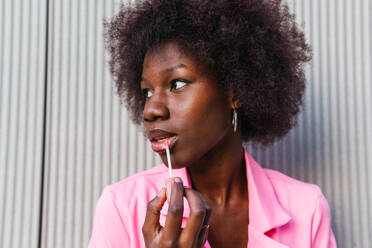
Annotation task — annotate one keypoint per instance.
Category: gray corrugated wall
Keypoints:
(22, 68)
(89, 141)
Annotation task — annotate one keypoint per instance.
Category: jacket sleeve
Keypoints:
(322, 235)
(108, 226)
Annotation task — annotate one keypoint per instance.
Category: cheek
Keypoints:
(203, 118)
(201, 127)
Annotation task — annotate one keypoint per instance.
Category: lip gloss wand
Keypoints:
(168, 158)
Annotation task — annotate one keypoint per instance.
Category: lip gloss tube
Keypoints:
(168, 158)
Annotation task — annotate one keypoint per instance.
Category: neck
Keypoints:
(220, 176)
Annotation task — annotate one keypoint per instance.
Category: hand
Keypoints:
(195, 232)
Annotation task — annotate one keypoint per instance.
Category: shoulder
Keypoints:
(144, 185)
(286, 185)
(121, 208)
(123, 204)
(293, 192)
(305, 202)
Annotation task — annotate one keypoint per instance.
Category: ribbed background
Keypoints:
(22, 67)
(89, 141)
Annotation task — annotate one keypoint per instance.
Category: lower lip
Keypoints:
(159, 147)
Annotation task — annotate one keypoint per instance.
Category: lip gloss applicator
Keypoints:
(168, 158)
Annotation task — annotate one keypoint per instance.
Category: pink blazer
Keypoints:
(283, 212)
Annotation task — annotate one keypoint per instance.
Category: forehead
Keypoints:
(167, 55)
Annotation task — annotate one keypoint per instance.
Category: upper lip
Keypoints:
(156, 134)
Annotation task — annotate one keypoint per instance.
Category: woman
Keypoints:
(207, 76)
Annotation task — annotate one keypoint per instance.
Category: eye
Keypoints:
(146, 93)
(177, 84)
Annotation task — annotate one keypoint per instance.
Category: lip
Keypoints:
(159, 133)
(157, 146)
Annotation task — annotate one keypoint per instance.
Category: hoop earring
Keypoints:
(235, 120)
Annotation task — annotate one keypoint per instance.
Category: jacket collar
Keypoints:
(265, 211)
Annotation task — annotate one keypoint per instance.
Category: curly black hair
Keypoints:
(254, 47)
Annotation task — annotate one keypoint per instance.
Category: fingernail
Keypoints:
(161, 193)
(168, 184)
(169, 189)
(177, 180)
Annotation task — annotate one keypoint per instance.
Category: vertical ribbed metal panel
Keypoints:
(22, 67)
(90, 141)
(331, 146)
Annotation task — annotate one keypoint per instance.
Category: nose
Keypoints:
(156, 108)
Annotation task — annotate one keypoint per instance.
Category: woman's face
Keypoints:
(184, 104)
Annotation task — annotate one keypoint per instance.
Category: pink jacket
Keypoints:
(283, 212)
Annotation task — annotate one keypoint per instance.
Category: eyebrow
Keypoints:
(172, 68)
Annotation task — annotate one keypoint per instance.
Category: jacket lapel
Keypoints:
(265, 211)
(258, 239)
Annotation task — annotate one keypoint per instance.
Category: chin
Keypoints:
(185, 155)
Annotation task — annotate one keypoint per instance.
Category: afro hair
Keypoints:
(254, 47)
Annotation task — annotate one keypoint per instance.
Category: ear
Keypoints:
(233, 100)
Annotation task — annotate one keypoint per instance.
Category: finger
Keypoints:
(175, 209)
(208, 209)
(154, 207)
(199, 214)
(203, 235)
(168, 186)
